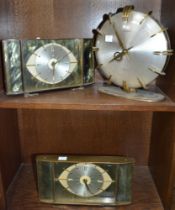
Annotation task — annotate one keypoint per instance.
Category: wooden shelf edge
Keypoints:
(87, 98)
(22, 193)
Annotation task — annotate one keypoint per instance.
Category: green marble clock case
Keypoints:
(19, 80)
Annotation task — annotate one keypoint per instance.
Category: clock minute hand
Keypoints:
(118, 37)
(58, 60)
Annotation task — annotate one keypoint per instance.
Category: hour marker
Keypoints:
(127, 12)
(57, 179)
(73, 62)
(125, 86)
(162, 30)
(156, 70)
(147, 15)
(99, 32)
(70, 62)
(167, 52)
(109, 18)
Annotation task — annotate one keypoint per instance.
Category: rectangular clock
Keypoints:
(43, 64)
(85, 180)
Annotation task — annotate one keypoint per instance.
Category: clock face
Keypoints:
(51, 63)
(131, 51)
(85, 179)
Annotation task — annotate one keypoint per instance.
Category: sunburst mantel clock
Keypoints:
(132, 50)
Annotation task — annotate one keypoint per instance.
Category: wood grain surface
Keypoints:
(9, 146)
(166, 83)
(162, 155)
(2, 194)
(64, 18)
(90, 132)
(88, 98)
(23, 194)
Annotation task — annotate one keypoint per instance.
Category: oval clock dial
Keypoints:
(85, 179)
(51, 63)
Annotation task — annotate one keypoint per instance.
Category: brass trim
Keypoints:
(146, 15)
(162, 30)
(89, 159)
(127, 10)
(166, 53)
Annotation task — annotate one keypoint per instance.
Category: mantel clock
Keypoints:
(85, 180)
(132, 50)
(39, 65)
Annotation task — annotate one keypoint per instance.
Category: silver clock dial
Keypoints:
(85, 179)
(51, 63)
(132, 52)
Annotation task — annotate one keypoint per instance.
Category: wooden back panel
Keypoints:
(2, 194)
(64, 18)
(9, 146)
(26, 19)
(90, 133)
(168, 18)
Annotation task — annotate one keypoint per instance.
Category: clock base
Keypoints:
(139, 95)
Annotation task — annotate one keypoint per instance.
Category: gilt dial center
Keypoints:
(52, 63)
(85, 179)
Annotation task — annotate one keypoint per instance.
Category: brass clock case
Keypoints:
(85, 180)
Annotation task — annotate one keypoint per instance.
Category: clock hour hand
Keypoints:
(87, 186)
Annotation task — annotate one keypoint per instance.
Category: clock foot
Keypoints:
(139, 95)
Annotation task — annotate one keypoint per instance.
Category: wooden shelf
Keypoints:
(22, 194)
(87, 98)
(49, 122)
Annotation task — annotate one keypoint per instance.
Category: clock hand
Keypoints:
(118, 37)
(153, 35)
(87, 186)
(53, 65)
(119, 55)
(58, 60)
